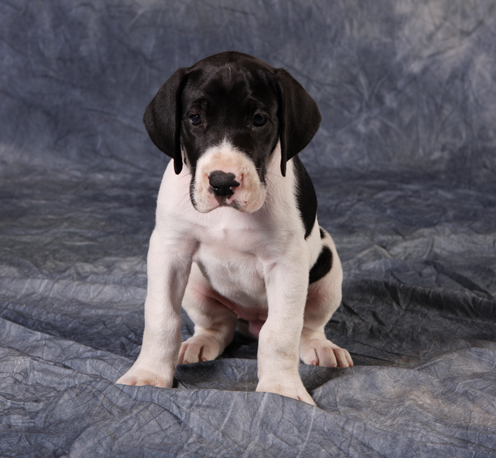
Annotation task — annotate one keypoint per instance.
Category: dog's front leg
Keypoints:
(279, 340)
(169, 265)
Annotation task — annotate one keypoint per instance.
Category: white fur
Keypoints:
(220, 263)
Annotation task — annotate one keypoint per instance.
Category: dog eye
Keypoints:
(195, 119)
(259, 120)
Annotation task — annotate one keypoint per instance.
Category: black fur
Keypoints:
(299, 117)
(305, 196)
(226, 91)
(322, 266)
(226, 98)
(162, 117)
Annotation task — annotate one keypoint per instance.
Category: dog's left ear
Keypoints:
(299, 117)
(163, 118)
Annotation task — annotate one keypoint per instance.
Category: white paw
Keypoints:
(322, 352)
(199, 348)
(292, 389)
(139, 376)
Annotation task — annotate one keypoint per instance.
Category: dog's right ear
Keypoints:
(163, 117)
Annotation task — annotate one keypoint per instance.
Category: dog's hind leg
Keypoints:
(324, 297)
(214, 323)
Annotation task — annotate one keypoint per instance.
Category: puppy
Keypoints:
(236, 233)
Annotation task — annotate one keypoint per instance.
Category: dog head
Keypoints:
(224, 117)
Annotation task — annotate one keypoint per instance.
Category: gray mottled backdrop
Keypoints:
(400, 83)
(404, 166)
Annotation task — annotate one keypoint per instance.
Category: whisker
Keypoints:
(269, 173)
(188, 174)
(274, 175)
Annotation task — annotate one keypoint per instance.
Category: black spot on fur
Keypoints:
(322, 266)
(322, 233)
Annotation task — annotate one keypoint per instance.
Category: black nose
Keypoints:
(222, 182)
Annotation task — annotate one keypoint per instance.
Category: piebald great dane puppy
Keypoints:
(236, 232)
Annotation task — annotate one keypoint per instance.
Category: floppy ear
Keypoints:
(163, 118)
(299, 117)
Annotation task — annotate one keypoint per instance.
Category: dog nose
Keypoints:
(222, 183)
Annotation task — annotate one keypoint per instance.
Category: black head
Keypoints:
(235, 98)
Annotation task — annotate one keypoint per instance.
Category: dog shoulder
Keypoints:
(322, 250)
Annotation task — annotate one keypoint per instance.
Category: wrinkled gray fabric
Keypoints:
(404, 166)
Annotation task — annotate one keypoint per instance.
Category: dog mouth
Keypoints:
(217, 197)
(226, 199)
(222, 186)
(205, 199)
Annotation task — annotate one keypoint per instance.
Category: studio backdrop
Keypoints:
(404, 166)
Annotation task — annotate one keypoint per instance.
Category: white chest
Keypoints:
(231, 256)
